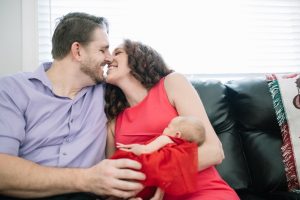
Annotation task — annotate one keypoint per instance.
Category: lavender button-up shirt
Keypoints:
(50, 130)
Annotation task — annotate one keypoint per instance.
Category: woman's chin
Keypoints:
(109, 79)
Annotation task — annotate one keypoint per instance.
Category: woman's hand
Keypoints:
(159, 194)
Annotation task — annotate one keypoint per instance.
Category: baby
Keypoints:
(170, 161)
(185, 127)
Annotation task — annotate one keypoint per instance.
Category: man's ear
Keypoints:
(75, 50)
(178, 134)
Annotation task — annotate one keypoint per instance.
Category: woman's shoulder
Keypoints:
(175, 79)
(173, 75)
(175, 83)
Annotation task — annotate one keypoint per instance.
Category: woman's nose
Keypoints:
(108, 57)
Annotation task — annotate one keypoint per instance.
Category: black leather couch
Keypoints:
(242, 114)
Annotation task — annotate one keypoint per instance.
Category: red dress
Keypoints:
(147, 120)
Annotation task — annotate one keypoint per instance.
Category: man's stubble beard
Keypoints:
(92, 72)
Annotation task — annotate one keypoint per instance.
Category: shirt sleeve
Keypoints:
(12, 122)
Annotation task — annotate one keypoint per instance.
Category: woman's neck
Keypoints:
(134, 91)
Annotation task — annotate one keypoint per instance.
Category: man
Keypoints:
(52, 123)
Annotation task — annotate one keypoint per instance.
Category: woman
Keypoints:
(143, 96)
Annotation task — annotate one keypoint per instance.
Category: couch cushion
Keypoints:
(252, 104)
(253, 108)
(233, 169)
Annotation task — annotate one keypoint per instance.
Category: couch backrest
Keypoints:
(243, 117)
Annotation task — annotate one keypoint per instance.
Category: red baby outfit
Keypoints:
(173, 168)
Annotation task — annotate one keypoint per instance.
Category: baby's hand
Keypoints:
(137, 149)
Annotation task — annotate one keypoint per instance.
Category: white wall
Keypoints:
(10, 36)
(18, 36)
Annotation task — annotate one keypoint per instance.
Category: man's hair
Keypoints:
(74, 27)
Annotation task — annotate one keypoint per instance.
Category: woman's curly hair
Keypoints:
(146, 65)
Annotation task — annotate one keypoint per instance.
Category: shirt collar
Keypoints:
(40, 74)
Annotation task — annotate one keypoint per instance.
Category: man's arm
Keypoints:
(22, 178)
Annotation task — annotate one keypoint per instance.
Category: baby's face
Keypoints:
(171, 129)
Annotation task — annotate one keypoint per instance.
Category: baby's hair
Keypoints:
(192, 128)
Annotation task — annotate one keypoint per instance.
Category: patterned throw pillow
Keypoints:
(285, 90)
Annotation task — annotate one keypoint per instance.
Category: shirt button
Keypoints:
(71, 121)
(64, 153)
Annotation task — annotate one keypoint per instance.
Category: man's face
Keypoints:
(96, 55)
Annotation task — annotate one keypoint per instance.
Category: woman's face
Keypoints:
(118, 69)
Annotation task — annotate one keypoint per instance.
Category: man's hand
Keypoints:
(118, 178)
(137, 149)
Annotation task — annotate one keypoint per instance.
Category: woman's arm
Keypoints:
(183, 96)
(110, 141)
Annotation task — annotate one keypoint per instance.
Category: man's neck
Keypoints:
(66, 78)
